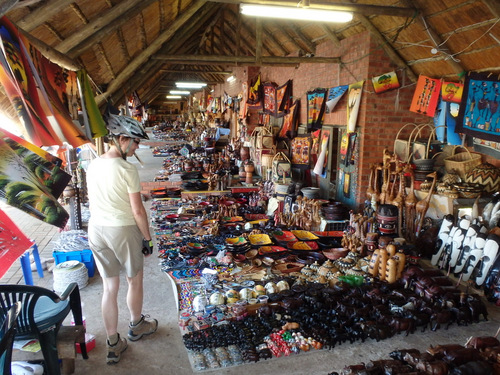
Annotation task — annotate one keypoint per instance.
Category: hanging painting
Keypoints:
(92, 117)
(255, 95)
(385, 82)
(353, 103)
(315, 140)
(244, 100)
(13, 243)
(347, 185)
(479, 114)
(301, 147)
(50, 175)
(269, 89)
(316, 104)
(426, 96)
(21, 188)
(290, 122)
(284, 98)
(333, 97)
(452, 92)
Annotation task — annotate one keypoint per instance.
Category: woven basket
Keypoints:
(461, 163)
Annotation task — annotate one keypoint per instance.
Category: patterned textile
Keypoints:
(316, 104)
(290, 122)
(385, 82)
(479, 115)
(426, 96)
(284, 98)
(334, 95)
(269, 89)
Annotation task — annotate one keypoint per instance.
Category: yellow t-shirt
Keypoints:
(109, 182)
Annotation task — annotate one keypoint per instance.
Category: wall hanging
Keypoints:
(333, 97)
(290, 122)
(426, 96)
(385, 82)
(452, 92)
(269, 90)
(301, 147)
(354, 101)
(316, 104)
(284, 98)
(479, 116)
(255, 95)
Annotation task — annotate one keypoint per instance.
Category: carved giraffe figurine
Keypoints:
(423, 205)
(399, 200)
(384, 191)
(410, 203)
(376, 195)
(371, 189)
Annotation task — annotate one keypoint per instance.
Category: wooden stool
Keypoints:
(67, 337)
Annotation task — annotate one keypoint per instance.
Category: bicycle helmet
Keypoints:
(126, 126)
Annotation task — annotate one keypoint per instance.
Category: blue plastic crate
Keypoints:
(84, 256)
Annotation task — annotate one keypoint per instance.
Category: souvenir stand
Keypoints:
(257, 278)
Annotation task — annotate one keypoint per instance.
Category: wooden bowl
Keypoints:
(335, 253)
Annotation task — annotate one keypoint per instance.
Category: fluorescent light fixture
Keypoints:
(295, 13)
(174, 97)
(231, 78)
(179, 92)
(193, 85)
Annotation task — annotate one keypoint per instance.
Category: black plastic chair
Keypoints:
(42, 313)
(7, 332)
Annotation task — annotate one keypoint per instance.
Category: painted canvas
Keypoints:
(426, 96)
(452, 91)
(316, 104)
(269, 89)
(385, 82)
(301, 148)
(353, 103)
(290, 122)
(479, 114)
(333, 97)
(284, 98)
(20, 188)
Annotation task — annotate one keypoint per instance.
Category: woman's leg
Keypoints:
(135, 296)
(109, 304)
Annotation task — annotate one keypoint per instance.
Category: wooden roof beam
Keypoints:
(310, 45)
(331, 35)
(436, 38)
(41, 14)
(222, 72)
(393, 55)
(247, 59)
(292, 39)
(269, 36)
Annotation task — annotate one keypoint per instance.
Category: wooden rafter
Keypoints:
(305, 40)
(269, 36)
(106, 17)
(292, 39)
(79, 13)
(41, 14)
(161, 15)
(247, 59)
(393, 55)
(331, 35)
(258, 41)
(123, 45)
(100, 50)
(129, 70)
(49, 27)
(142, 32)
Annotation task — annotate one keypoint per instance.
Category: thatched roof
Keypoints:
(144, 45)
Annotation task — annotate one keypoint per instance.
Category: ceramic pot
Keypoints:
(244, 153)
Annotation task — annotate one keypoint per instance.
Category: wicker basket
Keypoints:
(462, 162)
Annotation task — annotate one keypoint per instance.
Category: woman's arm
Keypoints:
(140, 215)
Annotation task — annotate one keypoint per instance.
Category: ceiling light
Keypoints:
(174, 97)
(194, 85)
(231, 78)
(295, 13)
(179, 92)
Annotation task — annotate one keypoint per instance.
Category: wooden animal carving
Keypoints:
(423, 205)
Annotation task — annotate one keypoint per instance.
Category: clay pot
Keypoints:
(249, 168)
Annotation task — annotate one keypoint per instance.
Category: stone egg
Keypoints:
(217, 298)
(271, 287)
(246, 293)
(282, 285)
(259, 290)
(232, 296)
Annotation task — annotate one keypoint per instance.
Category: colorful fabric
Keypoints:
(21, 188)
(290, 121)
(269, 89)
(301, 147)
(13, 243)
(479, 115)
(321, 165)
(353, 103)
(284, 98)
(49, 174)
(316, 104)
(255, 95)
(426, 96)
(94, 123)
(41, 91)
(385, 82)
(334, 95)
(452, 91)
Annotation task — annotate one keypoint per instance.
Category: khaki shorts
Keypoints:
(115, 248)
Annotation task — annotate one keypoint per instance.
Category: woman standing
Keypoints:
(119, 230)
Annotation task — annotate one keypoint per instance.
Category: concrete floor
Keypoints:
(164, 352)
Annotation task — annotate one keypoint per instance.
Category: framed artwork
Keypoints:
(301, 148)
(269, 89)
(316, 104)
(478, 115)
